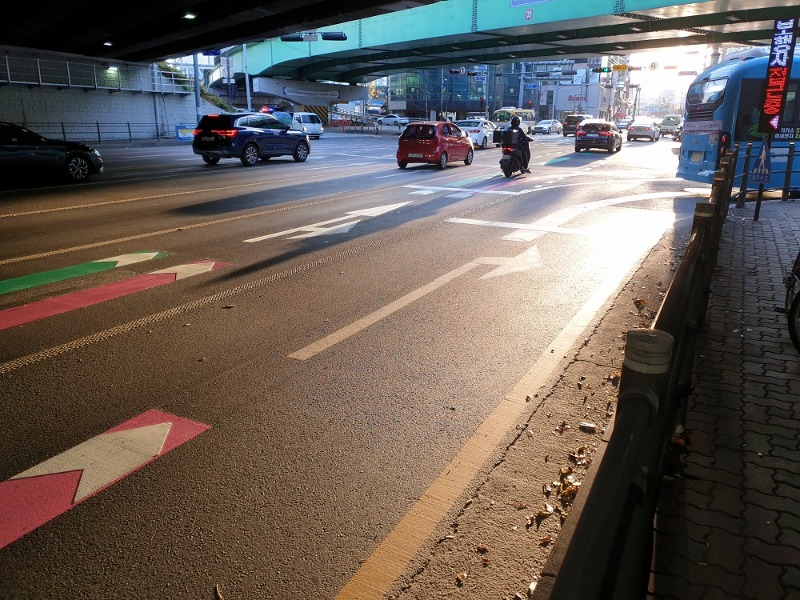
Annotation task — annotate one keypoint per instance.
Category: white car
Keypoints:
(480, 131)
(547, 126)
(395, 120)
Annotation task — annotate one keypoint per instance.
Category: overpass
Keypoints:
(460, 32)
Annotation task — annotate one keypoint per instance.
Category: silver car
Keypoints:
(643, 127)
(547, 126)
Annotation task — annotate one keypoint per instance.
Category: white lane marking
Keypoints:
(509, 225)
(374, 317)
(390, 559)
(321, 229)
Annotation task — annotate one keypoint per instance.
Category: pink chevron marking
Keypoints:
(27, 502)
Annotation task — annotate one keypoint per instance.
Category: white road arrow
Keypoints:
(526, 261)
(105, 458)
(322, 228)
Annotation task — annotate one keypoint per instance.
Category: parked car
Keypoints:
(598, 133)
(433, 143)
(308, 123)
(669, 123)
(643, 127)
(26, 153)
(571, 122)
(480, 131)
(248, 137)
(547, 126)
(395, 120)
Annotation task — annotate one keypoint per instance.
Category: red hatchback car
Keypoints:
(433, 143)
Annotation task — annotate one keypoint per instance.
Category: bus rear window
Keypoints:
(706, 92)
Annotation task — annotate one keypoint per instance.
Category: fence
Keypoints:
(23, 68)
(608, 552)
(99, 133)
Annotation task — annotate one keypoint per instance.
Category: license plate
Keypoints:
(696, 157)
(207, 138)
(591, 135)
(414, 155)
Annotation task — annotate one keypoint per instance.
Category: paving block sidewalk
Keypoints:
(728, 521)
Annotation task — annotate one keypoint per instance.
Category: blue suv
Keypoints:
(250, 137)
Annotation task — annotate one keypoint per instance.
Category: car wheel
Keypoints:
(470, 156)
(443, 161)
(577, 149)
(249, 155)
(402, 164)
(210, 160)
(629, 138)
(77, 168)
(611, 147)
(565, 135)
(300, 152)
(484, 143)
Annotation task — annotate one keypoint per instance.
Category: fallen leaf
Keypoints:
(546, 540)
(461, 578)
(483, 549)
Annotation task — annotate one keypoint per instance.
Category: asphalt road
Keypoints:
(282, 381)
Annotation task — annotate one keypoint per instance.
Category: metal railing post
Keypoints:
(740, 200)
(787, 179)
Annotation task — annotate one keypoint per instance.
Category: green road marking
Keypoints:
(106, 264)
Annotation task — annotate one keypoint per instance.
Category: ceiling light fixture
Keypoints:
(619, 46)
(189, 16)
(562, 36)
(637, 28)
(108, 44)
(733, 18)
(561, 51)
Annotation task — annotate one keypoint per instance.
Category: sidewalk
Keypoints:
(728, 521)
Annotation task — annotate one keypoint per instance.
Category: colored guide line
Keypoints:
(26, 313)
(38, 495)
(36, 279)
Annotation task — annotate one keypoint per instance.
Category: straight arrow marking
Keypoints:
(34, 311)
(321, 227)
(41, 493)
(36, 279)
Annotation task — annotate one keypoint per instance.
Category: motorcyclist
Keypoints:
(523, 143)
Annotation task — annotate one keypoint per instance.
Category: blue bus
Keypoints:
(722, 109)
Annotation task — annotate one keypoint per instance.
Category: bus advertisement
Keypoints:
(723, 108)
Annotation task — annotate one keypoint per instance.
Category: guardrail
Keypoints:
(23, 67)
(607, 552)
(97, 132)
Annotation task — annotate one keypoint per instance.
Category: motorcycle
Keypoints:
(511, 161)
(678, 133)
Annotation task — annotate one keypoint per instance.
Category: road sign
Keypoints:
(762, 168)
(480, 78)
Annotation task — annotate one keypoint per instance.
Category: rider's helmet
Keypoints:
(515, 121)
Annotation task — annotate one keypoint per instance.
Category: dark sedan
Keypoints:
(25, 153)
(600, 134)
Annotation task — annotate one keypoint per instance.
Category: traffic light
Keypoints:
(483, 103)
(454, 71)
(472, 73)
(601, 70)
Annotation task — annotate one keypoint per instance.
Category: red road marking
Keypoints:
(26, 313)
(40, 494)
